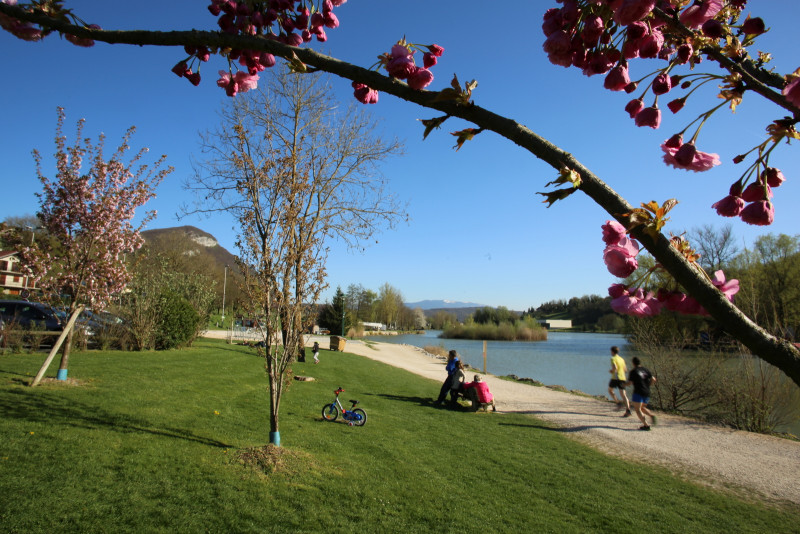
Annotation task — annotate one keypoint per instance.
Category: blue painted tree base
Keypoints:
(275, 438)
(62, 374)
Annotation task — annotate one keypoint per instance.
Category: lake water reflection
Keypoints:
(570, 359)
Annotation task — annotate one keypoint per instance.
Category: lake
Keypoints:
(574, 360)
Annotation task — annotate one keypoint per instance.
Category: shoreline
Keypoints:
(753, 466)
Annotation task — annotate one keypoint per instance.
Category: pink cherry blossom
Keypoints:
(792, 91)
(617, 78)
(773, 176)
(619, 261)
(436, 50)
(649, 117)
(662, 84)
(592, 29)
(420, 79)
(760, 213)
(651, 45)
(617, 290)
(729, 288)
(699, 161)
(364, 94)
(400, 66)
(756, 191)
(429, 60)
(557, 46)
(613, 232)
(702, 10)
(630, 11)
(246, 81)
(634, 107)
(730, 206)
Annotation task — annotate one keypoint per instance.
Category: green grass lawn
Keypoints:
(151, 442)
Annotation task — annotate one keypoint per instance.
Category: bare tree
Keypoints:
(716, 247)
(297, 172)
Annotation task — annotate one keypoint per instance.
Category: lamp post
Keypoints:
(224, 287)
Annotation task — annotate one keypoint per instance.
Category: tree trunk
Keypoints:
(67, 330)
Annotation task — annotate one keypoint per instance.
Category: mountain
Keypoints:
(196, 242)
(441, 304)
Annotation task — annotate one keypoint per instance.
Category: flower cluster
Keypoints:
(291, 22)
(632, 299)
(604, 36)
(400, 64)
(28, 32)
(752, 203)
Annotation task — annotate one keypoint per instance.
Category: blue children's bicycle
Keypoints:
(353, 416)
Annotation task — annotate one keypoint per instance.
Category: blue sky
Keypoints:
(478, 231)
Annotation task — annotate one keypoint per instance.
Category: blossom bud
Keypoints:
(713, 29)
(760, 213)
(634, 107)
(677, 104)
(676, 141)
(754, 26)
(649, 117)
(685, 154)
(685, 52)
(662, 84)
(756, 191)
(730, 206)
(773, 176)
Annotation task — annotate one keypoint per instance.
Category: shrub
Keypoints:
(436, 350)
(755, 396)
(177, 323)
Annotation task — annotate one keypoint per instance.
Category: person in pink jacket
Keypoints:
(481, 394)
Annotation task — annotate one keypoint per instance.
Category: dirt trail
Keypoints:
(749, 464)
(743, 461)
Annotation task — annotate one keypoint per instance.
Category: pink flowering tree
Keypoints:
(604, 37)
(88, 213)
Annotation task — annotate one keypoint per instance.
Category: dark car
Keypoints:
(28, 315)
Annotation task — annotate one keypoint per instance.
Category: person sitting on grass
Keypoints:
(478, 390)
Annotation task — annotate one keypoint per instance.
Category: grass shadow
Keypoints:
(25, 405)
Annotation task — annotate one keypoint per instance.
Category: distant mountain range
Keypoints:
(441, 304)
(207, 250)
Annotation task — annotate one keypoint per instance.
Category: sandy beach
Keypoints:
(752, 465)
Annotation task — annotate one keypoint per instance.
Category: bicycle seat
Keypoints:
(353, 402)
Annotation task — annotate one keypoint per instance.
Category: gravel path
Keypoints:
(747, 463)
(751, 465)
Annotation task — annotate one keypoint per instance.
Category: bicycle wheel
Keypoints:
(359, 417)
(330, 412)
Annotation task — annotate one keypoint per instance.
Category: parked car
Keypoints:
(28, 315)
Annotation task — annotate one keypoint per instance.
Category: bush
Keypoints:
(178, 321)
(755, 396)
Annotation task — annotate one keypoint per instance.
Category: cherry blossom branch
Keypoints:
(776, 351)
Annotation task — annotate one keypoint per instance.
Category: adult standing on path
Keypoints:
(641, 379)
(452, 363)
(618, 381)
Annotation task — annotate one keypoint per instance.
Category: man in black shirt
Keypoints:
(641, 379)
